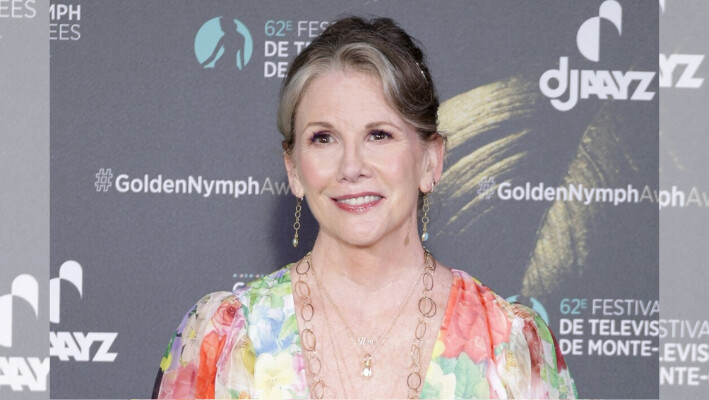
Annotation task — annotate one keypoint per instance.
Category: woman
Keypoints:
(368, 312)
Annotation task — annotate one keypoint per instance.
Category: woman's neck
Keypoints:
(367, 269)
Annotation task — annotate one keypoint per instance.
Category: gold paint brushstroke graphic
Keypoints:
(490, 127)
(473, 115)
(562, 242)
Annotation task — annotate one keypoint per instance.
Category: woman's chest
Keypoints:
(345, 357)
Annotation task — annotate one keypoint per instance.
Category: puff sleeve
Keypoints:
(531, 366)
(489, 348)
(210, 355)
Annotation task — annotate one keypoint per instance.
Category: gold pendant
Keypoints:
(367, 370)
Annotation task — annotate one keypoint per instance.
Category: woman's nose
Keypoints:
(353, 164)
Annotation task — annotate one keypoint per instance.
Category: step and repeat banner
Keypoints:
(684, 222)
(167, 180)
(24, 200)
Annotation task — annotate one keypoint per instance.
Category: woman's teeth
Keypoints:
(356, 201)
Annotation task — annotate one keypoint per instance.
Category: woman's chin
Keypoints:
(363, 240)
(364, 237)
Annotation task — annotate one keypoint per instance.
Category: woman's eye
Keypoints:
(379, 135)
(321, 137)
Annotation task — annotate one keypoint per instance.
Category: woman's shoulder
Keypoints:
(488, 328)
(475, 312)
(223, 307)
(502, 317)
(467, 287)
(271, 287)
(467, 291)
(195, 347)
(275, 280)
(211, 303)
(216, 324)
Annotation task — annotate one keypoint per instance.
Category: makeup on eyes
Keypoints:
(320, 137)
(380, 134)
(325, 137)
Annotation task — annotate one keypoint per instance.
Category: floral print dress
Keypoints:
(245, 344)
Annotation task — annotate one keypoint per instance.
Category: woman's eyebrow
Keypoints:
(371, 125)
(379, 124)
(321, 124)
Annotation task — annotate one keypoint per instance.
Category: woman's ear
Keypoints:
(433, 159)
(294, 183)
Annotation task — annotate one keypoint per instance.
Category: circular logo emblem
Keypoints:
(223, 43)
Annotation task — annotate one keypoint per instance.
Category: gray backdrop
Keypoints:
(130, 93)
(684, 231)
(24, 200)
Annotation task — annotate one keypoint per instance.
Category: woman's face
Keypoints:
(357, 162)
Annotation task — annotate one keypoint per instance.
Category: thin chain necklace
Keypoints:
(426, 307)
(338, 353)
(367, 357)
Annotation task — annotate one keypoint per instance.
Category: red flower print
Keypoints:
(467, 328)
(184, 382)
(224, 315)
(534, 342)
(209, 353)
(497, 318)
(560, 362)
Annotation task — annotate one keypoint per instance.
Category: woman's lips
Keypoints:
(357, 202)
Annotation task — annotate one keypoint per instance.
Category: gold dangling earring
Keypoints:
(296, 224)
(425, 207)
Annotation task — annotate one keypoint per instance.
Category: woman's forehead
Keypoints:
(345, 95)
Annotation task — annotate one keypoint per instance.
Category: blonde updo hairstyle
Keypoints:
(377, 47)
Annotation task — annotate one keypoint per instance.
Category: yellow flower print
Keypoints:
(247, 354)
(165, 362)
(438, 385)
(438, 347)
(191, 334)
(273, 376)
(167, 357)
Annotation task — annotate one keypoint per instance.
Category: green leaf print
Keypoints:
(447, 365)
(543, 329)
(470, 379)
(290, 325)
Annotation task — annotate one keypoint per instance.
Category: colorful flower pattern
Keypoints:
(246, 345)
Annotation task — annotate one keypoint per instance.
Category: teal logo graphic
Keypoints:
(223, 43)
(536, 305)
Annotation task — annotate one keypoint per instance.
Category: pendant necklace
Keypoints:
(378, 341)
(426, 307)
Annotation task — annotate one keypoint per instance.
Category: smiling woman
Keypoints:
(368, 312)
(361, 165)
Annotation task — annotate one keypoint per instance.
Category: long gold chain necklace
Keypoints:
(426, 306)
(427, 309)
(307, 336)
(367, 357)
